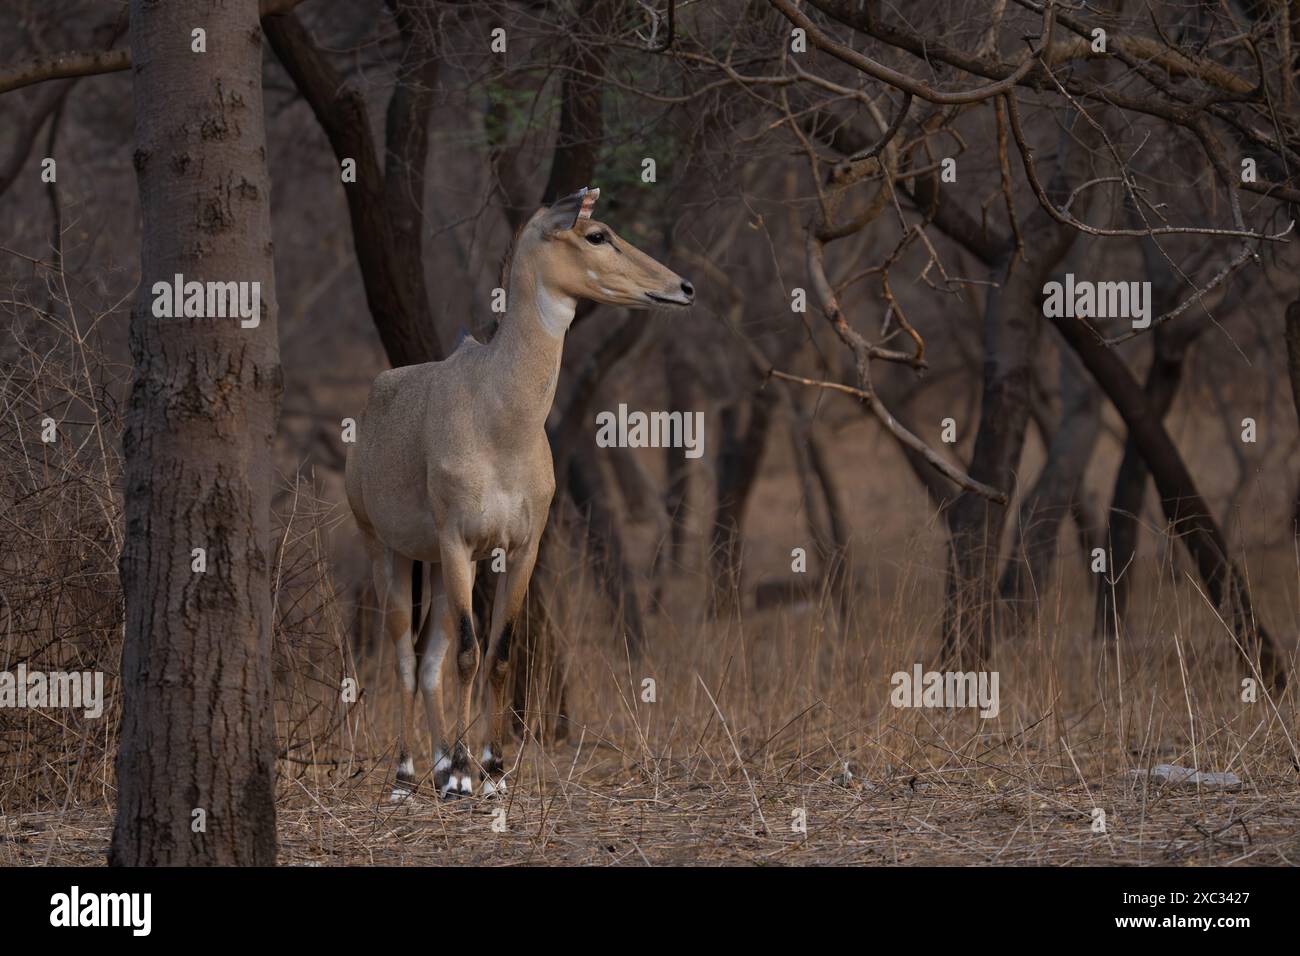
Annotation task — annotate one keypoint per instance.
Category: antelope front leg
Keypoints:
(458, 582)
(430, 649)
(511, 591)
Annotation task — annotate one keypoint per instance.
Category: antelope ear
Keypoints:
(567, 212)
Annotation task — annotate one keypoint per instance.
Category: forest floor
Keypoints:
(992, 815)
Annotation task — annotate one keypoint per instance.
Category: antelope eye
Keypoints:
(595, 238)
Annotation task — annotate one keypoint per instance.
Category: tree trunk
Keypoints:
(1169, 349)
(386, 203)
(739, 456)
(974, 522)
(835, 564)
(590, 494)
(196, 762)
(676, 499)
(1189, 516)
(1011, 330)
(539, 669)
(1054, 493)
(1293, 370)
(582, 119)
(1170, 343)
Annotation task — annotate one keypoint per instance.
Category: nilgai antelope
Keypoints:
(452, 461)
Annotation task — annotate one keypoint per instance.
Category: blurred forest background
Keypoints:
(788, 168)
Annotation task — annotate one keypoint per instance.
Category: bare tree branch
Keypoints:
(956, 475)
(62, 66)
(904, 82)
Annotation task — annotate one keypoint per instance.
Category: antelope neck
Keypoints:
(530, 342)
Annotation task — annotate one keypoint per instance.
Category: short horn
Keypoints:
(589, 197)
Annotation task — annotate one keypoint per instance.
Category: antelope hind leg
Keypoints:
(506, 607)
(430, 651)
(392, 574)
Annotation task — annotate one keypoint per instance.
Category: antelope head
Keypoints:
(582, 258)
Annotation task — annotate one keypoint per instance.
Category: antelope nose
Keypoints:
(688, 290)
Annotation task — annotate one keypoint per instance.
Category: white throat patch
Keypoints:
(554, 312)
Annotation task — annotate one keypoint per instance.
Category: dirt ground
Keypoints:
(594, 813)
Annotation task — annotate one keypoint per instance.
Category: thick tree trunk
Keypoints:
(1054, 494)
(196, 762)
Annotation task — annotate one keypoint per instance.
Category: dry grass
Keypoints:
(60, 534)
(754, 721)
